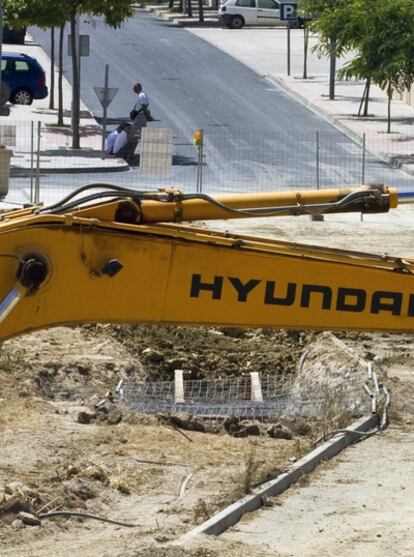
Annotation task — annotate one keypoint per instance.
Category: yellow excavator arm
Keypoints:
(121, 256)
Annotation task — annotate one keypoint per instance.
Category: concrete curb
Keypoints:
(15, 172)
(218, 523)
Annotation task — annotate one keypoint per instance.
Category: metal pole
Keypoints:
(288, 49)
(198, 169)
(317, 161)
(363, 165)
(31, 159)
(201, 167)
(37, 183)
(363, 158)
(105, 107)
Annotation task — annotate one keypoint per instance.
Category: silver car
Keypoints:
(237, 13)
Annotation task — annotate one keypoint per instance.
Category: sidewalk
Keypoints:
(396, 147)
(181, 20)
(56, 154)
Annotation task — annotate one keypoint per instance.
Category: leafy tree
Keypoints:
(49, 13)
(44, 14)
(340, 25)
(325, 18)
(391, 45)
(380, 33)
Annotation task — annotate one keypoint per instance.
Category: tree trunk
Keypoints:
(60, 78)
(332, 70)
(389, 94)
(361, 104)
(368, 87)
(200, 11)
(171, 4)
(52, 69)
(305, 50)
(189, 9)
(75, 84)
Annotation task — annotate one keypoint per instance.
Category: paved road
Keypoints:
(258, 137)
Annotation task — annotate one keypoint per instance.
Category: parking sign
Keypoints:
(288, 11)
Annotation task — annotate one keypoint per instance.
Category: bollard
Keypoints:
(5, 156)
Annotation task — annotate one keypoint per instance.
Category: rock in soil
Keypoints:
(29, 519)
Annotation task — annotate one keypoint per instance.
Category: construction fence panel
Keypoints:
(45, 168)
(284, 395)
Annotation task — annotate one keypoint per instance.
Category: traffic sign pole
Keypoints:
(288, 49)
(105, 107)
(106, 96)
(288, 12)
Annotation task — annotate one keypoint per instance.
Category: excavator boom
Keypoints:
(122, 256)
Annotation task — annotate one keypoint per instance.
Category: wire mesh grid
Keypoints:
(44, 167)
(281, 396)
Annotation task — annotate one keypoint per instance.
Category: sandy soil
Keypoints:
(134, 471)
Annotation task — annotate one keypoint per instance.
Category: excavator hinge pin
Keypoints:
(111, 268)
(32, 271)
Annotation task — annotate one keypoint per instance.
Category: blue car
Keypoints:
(25, 78)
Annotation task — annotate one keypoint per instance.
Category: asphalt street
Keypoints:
(257, 136)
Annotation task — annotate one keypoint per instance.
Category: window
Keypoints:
(22, 66)
(268, 4)
(246, 3)
(3, 65)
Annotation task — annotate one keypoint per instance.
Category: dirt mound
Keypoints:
(74, 363)
(212, 352)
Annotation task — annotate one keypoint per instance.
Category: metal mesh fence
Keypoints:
(281, 396)
(45, 168)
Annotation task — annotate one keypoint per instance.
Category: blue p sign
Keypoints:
(288, 11)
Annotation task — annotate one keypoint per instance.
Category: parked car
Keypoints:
(14, 36)
(237, 13)
(25, 78)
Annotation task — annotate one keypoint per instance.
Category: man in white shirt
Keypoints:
(143, 114)
(110, 140)
(120, 142)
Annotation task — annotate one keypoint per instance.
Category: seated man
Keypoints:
(120, 142)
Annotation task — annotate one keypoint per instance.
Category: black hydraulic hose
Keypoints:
(347, 201)
(76, 192)
(165, 197)
(118, 189)
(93, 197)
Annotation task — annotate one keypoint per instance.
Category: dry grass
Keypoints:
(201, 511)
(23, 413)
(126, 479)
(251, 467)
(10, 358)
